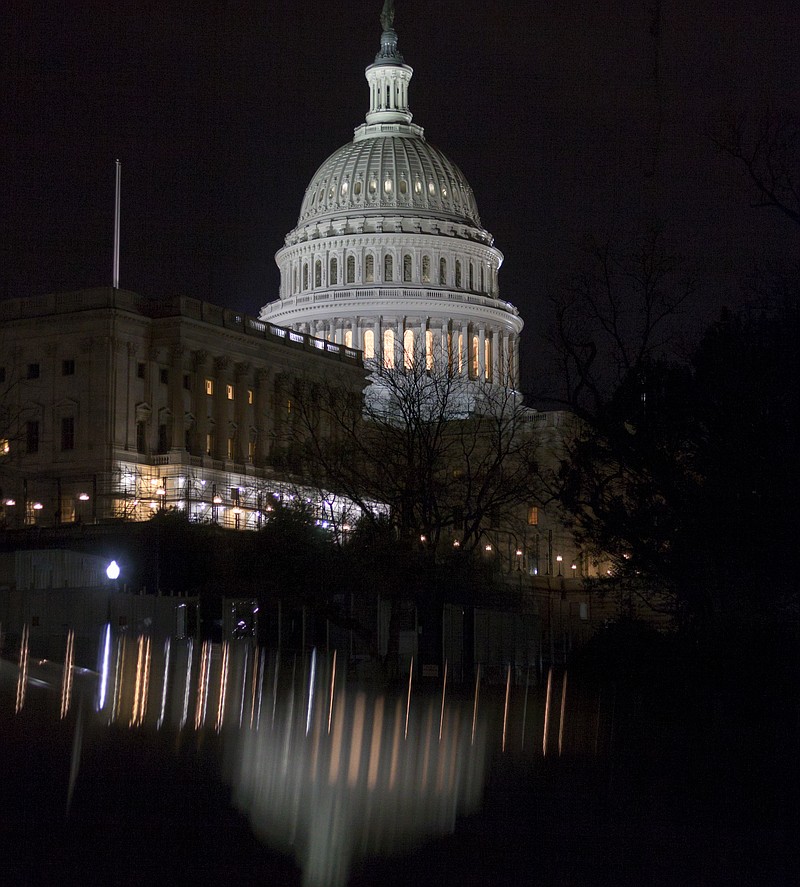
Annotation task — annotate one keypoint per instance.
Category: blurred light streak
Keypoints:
(311, 679)
(333, 684)
(475, 706)
(505, 707)
(375, 748)
(104, 665)
(261, 672)
(141, 689)
(223, 685)
(444, 692)
(188, 684)
(119, 672)
(22, 675)
(356, 739)
(202, 685)
(165, 685)
(408, 699)
(525, 707)
(546, 727)
(67, 674)
(563, 713)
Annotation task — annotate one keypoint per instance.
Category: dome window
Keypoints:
(403, 187)
(408, 349)
(418, 187)
(334, 275)
(330, 193)
(369, 269)
(373, 186)
(351, 269)
(458, 273)
(345, 188)
(369, 345)
(305, 276)
(387, 186)
(426, 269)
(431, 189)
(388, 349)
(442, 272)
(318, 273)
(444, 193)
(406, 268)
(357, 189)
(388, 268)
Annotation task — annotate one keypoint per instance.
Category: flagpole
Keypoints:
(116, 223)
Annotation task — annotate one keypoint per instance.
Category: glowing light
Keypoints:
(488, 547)
(311, 678)
(22, 675)
(84, 497)
(10, 502)
(333, 684)
(37, 506)
(67, 675)
(103, 685)
(559, 558)
(162, 713)
(112, 570)
(223, 685)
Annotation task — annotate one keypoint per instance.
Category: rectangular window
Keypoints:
(67, 367)
(163, 374)
(33, 370)
(229, 392)
(187, 382)
(231, 447)
(235, 495)
(140, 368)
(68, 433)
(251, 451)
(163, 439)
(5, 447)
(31, 437)
(533, 515)
(209, 386)
(2, 374)
(209, 444)
(250, 396)
(140, 438)
(187, 440)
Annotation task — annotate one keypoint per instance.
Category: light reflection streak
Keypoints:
(22, 675)
(67, 674)
(119, 669)
(505, 707)
(475, 706)
(563, 713)
(333, 684)
(141, 689)
(546, 727)
(262, 669)
(103, 683)
(223, 685)
(187, 685)
(311, 681)
(202, 685)
(444, 691)
(165, 685)
(408, 700)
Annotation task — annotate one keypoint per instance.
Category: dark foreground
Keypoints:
(148, 810)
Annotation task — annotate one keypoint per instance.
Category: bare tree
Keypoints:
(767, 150)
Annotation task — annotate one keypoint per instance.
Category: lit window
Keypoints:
(408, 349)
(388, 349)
(369, 345)
(251, 451)
(533, 515)
(418, 187)
(357, 188)
(345, 189)
(231, 447)
(428, 350)
(229, 392)
(373, 186)
(487, 358)
(5, 447)
(348, 338)
(431, 188)
(387, 186)
(250, 396)
(475, 356)
(209, 386)
(403, 186)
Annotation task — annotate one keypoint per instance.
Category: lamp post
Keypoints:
(559, 561)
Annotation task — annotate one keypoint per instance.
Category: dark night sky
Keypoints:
(221, 112)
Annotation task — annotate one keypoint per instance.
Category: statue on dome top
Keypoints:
(387, 15)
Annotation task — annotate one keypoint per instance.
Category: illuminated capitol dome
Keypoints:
(389, 255)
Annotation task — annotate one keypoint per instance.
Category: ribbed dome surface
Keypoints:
(389, 173)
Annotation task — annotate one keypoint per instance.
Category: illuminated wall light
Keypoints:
(10, 502)
(83, 497)
(488, 547)
(37, 506)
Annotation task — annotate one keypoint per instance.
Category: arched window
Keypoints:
(426, 269)
(428, 350)
(318, 273)
(460, 352)
(305, 276)
(334, 275)
(406, 268)
(348, 338)
(408, 349)
(369, 269)
(483, 279)
(474, 356)
(471, 277)
(351, 269)
(388, 268)
(458, 272)
(388, 349)
(369, 345)
(442, 272)
(487, 358)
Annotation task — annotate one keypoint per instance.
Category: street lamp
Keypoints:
(559, 559)
(112, 571)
